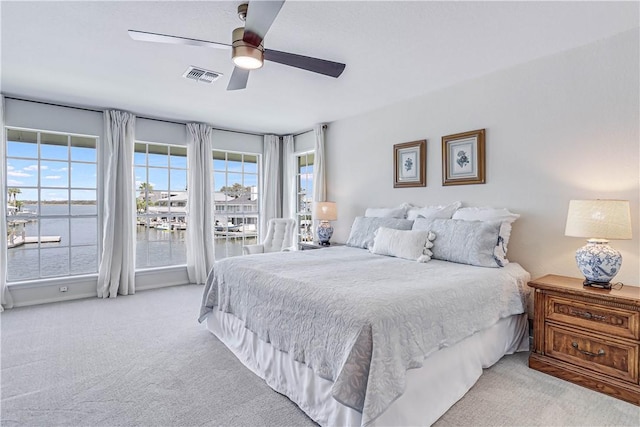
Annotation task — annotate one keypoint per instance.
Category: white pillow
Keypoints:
(466, 242)
(492, 214)
(399, 212)
(407, 244)
(433, 212)
(363, 229)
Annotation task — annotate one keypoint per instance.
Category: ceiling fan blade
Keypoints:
(163, 38)
(260, 16)
(320, 66)
(238, 79)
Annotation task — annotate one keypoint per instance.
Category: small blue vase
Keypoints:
(325, 231)
(598, 261)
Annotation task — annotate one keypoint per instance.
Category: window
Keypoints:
(52, 214)
(161, 203)
(236, 196)
(304, 183)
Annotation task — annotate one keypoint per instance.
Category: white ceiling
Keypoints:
(79, 53)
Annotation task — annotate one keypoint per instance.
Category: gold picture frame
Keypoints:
(463, 158)
(410, 164)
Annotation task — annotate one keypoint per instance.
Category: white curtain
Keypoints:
(319, 178)
(290, 186)
(116, 274)
(199, 238)
(271, 194)
(7, 301)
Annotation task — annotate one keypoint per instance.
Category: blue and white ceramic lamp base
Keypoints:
(598, 262)
(325, 231)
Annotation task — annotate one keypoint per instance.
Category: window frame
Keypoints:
(308, 212)
(69, 161)
(148, 215)
(255, 238)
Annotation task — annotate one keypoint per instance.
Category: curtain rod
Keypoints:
(95, 110)
(324, 126)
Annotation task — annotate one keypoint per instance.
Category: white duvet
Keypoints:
(358, 319)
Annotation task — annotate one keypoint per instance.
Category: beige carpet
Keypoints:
(143, 360)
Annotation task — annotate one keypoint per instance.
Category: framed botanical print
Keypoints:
(463, 158)
(410, 164)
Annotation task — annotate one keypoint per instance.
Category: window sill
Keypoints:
(52, 281)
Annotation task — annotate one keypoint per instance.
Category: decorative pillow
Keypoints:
(465, 242)
(407, 244)
(421, 223)
(363, 229)
(398, 212)
(492, 214)
(432, 212)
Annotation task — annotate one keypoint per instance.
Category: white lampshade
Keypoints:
(325, 211)
(599, 219)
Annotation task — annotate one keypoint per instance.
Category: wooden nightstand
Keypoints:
(305, 246)
(588, 336)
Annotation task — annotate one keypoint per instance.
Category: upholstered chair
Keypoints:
(279, 237)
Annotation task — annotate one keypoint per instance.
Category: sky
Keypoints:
(71, 172)
(58, 170)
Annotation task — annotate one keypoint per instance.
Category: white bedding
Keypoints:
(360, 320)
(431, 390)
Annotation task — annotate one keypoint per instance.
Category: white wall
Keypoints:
(558, 128)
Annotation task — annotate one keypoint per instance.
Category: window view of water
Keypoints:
(76, 250)
(52, 215)
(67, 245)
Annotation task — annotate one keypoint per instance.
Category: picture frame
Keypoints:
(463, 158)
(410, 164)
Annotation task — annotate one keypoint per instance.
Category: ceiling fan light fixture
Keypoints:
(247, 57)
(243, 54)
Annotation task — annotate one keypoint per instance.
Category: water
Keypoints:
(77, 251)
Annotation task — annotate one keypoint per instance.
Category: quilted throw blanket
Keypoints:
(361, 320)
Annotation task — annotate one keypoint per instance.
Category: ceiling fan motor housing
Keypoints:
(245, 55)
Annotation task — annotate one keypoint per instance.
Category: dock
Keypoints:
(14, 241)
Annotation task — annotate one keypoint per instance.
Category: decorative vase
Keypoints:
(325, 231)
(598, 261)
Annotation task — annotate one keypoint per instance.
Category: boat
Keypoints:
(179, 225)
(163, 226)
(228, 227)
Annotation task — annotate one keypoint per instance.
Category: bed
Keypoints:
(356, 338)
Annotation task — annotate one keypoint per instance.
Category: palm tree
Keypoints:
(145, 187)
(143, 200)
(13, 192)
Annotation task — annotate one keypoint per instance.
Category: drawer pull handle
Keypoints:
(589, 316)
(587, 353)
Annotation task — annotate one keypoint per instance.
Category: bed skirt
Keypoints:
(431, 390)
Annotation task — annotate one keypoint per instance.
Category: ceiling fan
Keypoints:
(247, 49)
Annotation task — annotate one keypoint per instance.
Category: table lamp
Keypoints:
(599, 221)
(325, 212)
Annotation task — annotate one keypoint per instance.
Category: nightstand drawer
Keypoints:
(612, 321)
(611, 357)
